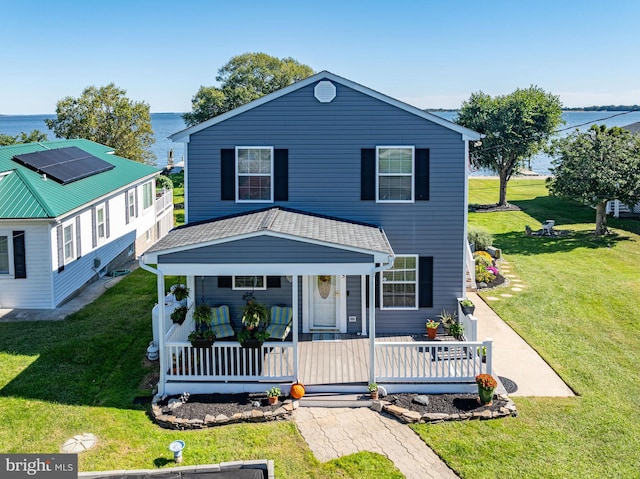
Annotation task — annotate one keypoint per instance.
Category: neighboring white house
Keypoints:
(70, 212)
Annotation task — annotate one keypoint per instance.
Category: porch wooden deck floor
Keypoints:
(337, 361)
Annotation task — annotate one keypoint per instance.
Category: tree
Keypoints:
(242, 79)
(32, 137)
(596, 166)
(516, 127)
(105, 115)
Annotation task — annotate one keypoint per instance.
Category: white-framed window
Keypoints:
(132, 202)
(147, 195)
(399, 285)
(5, 254)
(249, 282)
(395, 167)
(254, 174)
(101, 223)
(68, 243)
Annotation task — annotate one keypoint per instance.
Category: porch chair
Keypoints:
(221, 321)
(280, 323)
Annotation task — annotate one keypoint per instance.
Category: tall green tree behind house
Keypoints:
(596, 166)
(32, 137)
(516, 127)
(105, 115)
(243, 79)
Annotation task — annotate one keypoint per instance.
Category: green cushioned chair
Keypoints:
(280, 323)
(221, 322)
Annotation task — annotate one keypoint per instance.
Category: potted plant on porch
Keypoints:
(202, 336)
(467, 306)
(447, 319)
(254, 319)
(432, 328)
(179, 314)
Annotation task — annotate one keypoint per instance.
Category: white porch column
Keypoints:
(294, 305)
(372, 328)
(363, 304)
(162, 359)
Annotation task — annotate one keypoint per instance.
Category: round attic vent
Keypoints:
(325, 91)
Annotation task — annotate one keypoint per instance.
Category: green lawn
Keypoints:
(578, 310)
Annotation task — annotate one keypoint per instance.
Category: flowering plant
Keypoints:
(431, 324)
(486, 381)
(493, 269)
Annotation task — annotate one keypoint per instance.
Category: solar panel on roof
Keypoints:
(64, 165)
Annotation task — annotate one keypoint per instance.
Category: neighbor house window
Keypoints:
(254, 180)
(132, 203)
(147, 195)
(67, 237)
(394, 172)
(4, 255)
(400, 284)
(249, 282)
(101, 230)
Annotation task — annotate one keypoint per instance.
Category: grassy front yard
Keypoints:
(579, 310)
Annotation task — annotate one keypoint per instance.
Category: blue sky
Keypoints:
(426, 53)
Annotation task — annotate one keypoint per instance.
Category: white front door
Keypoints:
(325, 304)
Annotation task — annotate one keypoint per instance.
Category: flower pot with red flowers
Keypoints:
(432, 328)
(486, 387)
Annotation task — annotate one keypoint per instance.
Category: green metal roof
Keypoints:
(25, 194)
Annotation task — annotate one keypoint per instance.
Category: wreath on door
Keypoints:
(324, 285)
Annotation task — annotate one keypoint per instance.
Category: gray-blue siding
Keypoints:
(264, 249)
(324, 141)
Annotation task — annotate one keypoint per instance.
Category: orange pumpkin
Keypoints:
(297, 390)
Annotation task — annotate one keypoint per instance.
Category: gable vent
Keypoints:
(325, 91)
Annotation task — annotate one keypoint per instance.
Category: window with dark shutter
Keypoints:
(368, 174)
(425, 271)
(19, 255)
(228, 174)
(422, 174)
(225, 281)
(281, 175)
(273, 281)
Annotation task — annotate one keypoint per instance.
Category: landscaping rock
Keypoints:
(421, 399)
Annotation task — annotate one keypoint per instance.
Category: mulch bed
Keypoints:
(200, 405)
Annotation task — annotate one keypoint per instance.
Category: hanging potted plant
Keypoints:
(432, 328)
(180, 293)
(179, 314)
(255, 317)
(202, 336)
(467, 306)
(486, 386)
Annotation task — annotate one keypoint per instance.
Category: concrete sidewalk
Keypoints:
(514, 359)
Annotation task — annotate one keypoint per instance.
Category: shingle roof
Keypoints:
(633, 127)
(25, 194)
(297, 224)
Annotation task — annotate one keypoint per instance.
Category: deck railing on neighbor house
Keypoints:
(163, 201)
(431, 362)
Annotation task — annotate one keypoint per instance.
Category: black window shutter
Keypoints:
(126, 208)
(19, 255)
(273, 281)
(60, 249)
(368, 174)
(224, 281)
(422, 174)
(377, 293)
(78, 238)
(281, 175)
(106, 219)
(94, 233)
(228, 174)
(425, 271)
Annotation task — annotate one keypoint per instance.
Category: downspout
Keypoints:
(372, 315)
(161, 322)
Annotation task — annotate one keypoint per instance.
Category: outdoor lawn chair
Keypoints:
(547, 227)
(280, 323)
(221, 321)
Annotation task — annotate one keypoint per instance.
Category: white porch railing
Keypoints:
(469, 323)
(431, 362)
(471, 266)
(163, 201)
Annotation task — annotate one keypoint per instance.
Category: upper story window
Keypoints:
(400, 284)
(131, 194)
(147, 195)
(250, 282)
(101, 227)
(4, 255)
(254, 179)
(394, 173)
(67, 241)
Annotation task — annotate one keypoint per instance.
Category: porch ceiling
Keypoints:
(277, 222)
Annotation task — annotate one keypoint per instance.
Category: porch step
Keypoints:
(347, 400)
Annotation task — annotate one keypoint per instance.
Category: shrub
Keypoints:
(164, 182)
(482, 260)
(480, 238)
(483, 275)
(485, 255)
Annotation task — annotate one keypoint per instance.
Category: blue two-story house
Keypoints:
(345, 205)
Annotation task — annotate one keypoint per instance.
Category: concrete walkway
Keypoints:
(514, 359)
(336, 432)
